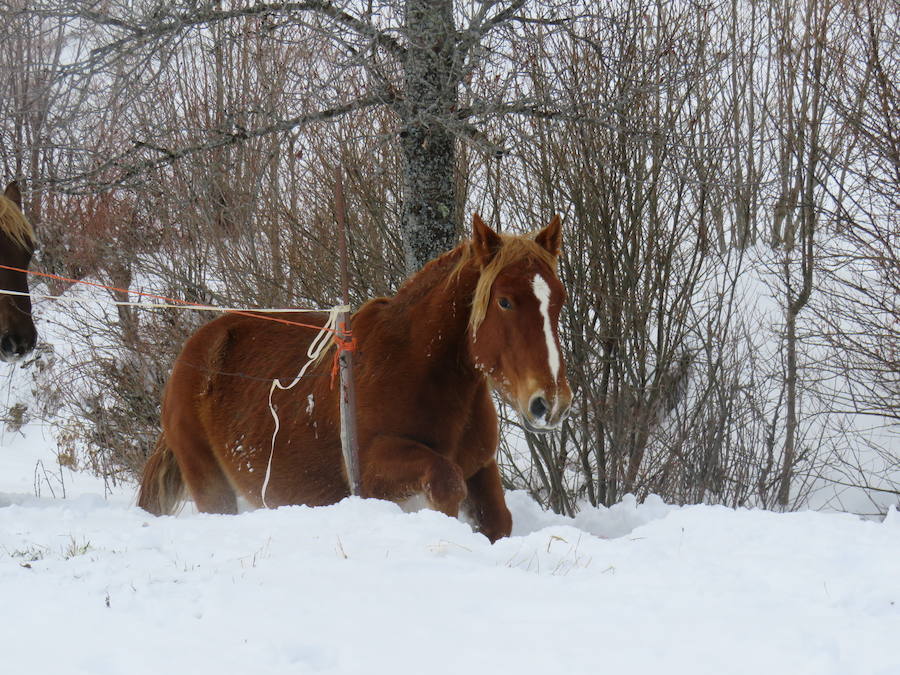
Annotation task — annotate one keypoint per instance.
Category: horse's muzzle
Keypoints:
(541, 418)
(13, 347)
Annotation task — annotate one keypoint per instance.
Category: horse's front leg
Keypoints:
(396, 469)
(487, 503)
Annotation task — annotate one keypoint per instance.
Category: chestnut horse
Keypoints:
(17, 332)
(482, 315)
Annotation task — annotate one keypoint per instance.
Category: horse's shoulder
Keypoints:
(374, 316)
(372, 307)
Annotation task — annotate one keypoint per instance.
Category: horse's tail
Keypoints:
(162, 486)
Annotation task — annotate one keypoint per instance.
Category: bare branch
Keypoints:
(123, 168)
(169, 21)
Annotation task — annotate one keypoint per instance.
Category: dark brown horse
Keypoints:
(482, 316)
(17, 332)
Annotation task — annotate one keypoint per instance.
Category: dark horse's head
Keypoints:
(17, 332)
(513, 325)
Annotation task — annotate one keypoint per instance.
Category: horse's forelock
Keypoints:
(514, 249)
(14, 223)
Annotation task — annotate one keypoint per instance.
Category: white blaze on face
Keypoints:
(542, 293)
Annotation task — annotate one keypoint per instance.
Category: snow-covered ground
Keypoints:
(90, 584)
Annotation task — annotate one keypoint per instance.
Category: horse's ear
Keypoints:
(550, 237)
(485, 241)
(13, 194)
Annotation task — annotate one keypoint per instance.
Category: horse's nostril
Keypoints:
(538, 407)
(7, 345)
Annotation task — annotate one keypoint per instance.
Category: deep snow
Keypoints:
(93, 585)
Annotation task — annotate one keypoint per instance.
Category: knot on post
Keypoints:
(343, 338)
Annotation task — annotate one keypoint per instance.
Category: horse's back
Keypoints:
(263, 343)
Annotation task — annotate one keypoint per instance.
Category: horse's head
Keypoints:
(17, 332)
(513, 326)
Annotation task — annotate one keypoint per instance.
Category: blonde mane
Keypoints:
(514, 249)
(14, 224)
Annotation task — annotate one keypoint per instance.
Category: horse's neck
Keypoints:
(438, 301)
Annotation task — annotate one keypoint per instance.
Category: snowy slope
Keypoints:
(96, 586)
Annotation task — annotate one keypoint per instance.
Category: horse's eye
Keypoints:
(504, 303)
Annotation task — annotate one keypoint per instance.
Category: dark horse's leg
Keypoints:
(396, 468)
(488, 504)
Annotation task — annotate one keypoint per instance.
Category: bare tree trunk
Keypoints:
(429, 220)
(790, 439)
(807, 237)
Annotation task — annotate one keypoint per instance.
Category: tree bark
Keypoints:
(429, 219)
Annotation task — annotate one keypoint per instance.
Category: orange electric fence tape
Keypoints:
(181, 303)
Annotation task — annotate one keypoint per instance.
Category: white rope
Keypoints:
(319, 344)
(154, 305)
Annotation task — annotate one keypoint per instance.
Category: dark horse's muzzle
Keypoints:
(13, 347)
(19, 339)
